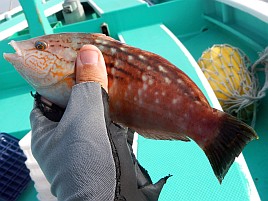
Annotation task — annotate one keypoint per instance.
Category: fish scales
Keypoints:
(166, 83)
(146, 93)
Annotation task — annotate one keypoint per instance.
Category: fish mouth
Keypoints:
(13, 56)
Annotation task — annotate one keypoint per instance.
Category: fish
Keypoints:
(147, 93)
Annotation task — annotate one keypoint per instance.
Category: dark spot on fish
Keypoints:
(52, 45)
(118, 77)
(197, 98)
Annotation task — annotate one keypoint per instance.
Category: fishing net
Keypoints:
(234, 82)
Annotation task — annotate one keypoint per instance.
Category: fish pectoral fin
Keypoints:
(158, 135)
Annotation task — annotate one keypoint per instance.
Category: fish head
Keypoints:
(43, 61)
(47, 63)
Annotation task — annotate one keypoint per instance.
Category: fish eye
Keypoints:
(40, 45)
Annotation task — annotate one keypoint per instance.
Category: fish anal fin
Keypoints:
(158, 135)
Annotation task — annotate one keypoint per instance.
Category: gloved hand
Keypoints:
(84, 155)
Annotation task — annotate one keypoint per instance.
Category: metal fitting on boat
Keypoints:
(73, 11)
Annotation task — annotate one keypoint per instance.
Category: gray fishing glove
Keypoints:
(85, 156)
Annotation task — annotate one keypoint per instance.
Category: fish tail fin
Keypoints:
(232, 137)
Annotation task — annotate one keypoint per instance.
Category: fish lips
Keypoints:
(11, 57)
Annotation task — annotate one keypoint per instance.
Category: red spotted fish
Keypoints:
(146, 93)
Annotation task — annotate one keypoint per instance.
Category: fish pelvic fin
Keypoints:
(233, 136)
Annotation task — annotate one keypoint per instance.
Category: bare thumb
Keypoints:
(90, 66)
